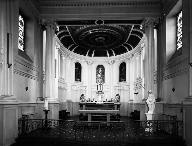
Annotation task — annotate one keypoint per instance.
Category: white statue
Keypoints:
(151, 102)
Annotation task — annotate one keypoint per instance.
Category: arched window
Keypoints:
(100, 74)
(122, 72)
(78, 72)
(179, 30)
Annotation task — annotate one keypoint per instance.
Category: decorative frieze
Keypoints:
(25, 69)
(99, 4)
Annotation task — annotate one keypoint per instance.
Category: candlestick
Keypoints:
(46, 104)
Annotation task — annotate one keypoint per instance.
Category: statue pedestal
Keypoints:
(150, 124)
(150, 116)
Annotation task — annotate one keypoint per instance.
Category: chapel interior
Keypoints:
(95, 72)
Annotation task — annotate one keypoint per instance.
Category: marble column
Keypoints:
(89, 79)
(64, 67)
(112, 94)
(9, 11)
(142, 71)
(67, 77)
(51, 87)
(150, 58)
(187, 51)
(6, 46)
(49, 68)
(187, 38)
(132, 77)
(128, 75)
(59, 64)
(161, 57)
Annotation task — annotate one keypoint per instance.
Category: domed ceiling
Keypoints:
(100, 38)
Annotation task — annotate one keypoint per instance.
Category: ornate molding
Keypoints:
(25, 69)
(177, 69)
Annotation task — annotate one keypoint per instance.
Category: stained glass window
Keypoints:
(78, 72)
(21, 33)
(179, 30)
(122, 72)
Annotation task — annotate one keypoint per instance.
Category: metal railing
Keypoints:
(159, 128)
(97, 131)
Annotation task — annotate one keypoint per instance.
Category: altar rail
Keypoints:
(71, 128)
(159, 128)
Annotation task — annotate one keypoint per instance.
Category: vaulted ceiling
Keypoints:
(100, 27)
(100, 38)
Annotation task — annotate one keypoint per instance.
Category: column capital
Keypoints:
(150, 22)
(48, 23)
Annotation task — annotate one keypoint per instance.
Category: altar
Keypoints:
(100, 106)
(92, 112)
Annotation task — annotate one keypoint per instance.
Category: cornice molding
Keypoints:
(59, 3)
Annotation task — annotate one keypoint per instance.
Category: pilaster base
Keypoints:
(54, 110)
(8, 120)
(187, 110)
